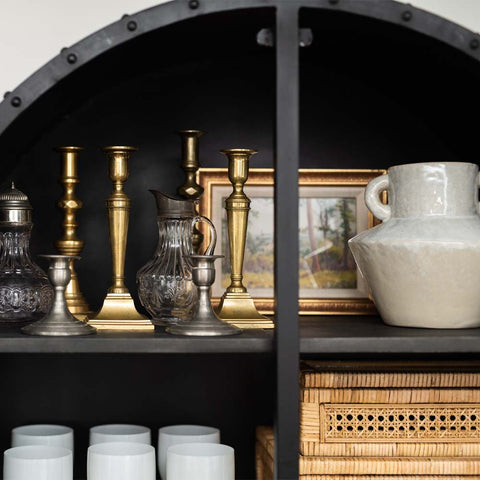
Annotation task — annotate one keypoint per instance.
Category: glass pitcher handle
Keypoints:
(213, 233)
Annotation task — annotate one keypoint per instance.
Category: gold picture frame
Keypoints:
(327, 186)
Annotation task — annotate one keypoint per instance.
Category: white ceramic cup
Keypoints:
(38, 462)
(175, 434)
(53, 435)
(121, 461)
(120, 433)
(200, 461)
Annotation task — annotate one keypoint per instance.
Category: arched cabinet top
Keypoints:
(130, 27)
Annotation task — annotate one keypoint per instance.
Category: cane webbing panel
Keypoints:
(363, 423)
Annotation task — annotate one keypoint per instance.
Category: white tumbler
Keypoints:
(121, 461)
(38, 462)
(175, 434)
(53, 435)
(200, 461)
(120, 433)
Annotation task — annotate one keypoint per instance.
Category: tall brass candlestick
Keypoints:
(118, 310)
(190, 164)
(236, 305)
(70, 244)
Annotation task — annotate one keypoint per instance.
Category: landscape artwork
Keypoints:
(326, 265)
(332, 210)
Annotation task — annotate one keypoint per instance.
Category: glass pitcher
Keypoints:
(165, 285)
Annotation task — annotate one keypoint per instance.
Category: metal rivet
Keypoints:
(407, 15)
(131, 25)
(71, 58)
(6, 94)
(124, 16)
(16, 101)
(193, 4)
(474, 43)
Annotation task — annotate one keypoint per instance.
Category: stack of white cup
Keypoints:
(39, 452)
(119, 452)
(194, 451)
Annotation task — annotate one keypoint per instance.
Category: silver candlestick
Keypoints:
(59, 321)
(205, 322)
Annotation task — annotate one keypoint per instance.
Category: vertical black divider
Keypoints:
(286, 244)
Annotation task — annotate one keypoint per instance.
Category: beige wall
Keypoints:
(34, 31)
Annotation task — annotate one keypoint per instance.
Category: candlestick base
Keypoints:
(78, 306)
(54, 326)
(238, 309)
(119, 313)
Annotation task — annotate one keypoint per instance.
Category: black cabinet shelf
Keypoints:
(350, 334)
(128, 342)
(333, 334)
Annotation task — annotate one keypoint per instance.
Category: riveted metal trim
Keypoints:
(160, 16)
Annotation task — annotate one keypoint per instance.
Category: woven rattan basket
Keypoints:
(389, 413)
(363, 468)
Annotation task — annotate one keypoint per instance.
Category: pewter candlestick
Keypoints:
(205, 322)
(59, 321)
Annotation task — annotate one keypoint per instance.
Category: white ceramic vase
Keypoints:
(422, 263)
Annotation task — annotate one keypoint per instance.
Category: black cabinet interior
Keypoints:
(374, 95)
(231, 392)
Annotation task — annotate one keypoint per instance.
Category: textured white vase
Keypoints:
(422, 263)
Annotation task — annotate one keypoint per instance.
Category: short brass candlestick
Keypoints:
(190, 164)
(70, 244)
(118, 310)
(236, 305)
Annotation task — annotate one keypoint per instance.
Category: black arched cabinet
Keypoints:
(380, 83)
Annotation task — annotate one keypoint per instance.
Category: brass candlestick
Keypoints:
(118, 310)
(70, 244)
(190, 164)
(236, 305)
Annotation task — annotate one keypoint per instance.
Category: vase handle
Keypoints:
(476, 196)
(372, 197)
(213, 233)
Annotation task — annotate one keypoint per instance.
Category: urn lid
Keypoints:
(15, 207)
(168, 206)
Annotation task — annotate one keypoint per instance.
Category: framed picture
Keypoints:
(331, 211)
